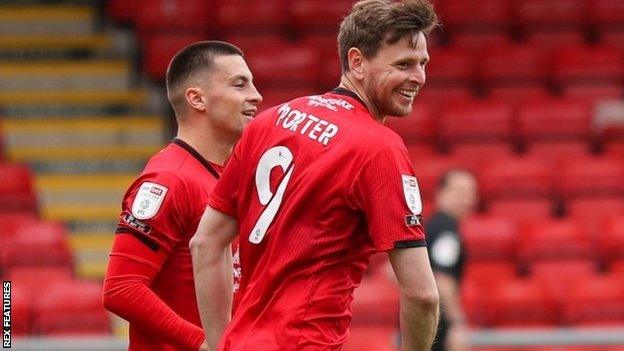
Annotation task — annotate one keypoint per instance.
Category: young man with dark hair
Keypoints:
(315, 187)
(456, 198)
(149, 280)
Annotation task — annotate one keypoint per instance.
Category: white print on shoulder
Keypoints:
(309, 125)
(445, 250)
(412, 193)
(317, 100)
(148, 200)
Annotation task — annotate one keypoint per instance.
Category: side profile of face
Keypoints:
(459, 197)
(392, 78)
(230, 98)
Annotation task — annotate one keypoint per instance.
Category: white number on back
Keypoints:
(278, 156)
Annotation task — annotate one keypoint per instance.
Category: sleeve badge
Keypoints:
(412, 193)
(148, 200)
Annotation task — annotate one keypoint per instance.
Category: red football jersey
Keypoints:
(317, 186)
(162, 209)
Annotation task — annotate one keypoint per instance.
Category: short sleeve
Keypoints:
(151, 210)
(386, 190)
(224, 197)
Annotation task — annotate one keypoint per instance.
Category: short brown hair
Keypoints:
(196, 57)
(370, 22)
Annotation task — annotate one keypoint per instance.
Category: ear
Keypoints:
(195, 98)
(356, 62)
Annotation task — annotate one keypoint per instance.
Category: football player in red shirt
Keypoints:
(149, 280)
(314, 187)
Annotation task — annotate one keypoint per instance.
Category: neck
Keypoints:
(210, 144)
(348, 83)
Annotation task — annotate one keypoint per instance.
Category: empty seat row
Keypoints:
(17, 193)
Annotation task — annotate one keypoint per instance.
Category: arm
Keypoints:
(212, 267)
(419, 297)
(131, 268)
(453, 312)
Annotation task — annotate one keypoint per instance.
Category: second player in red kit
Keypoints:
(314, 187)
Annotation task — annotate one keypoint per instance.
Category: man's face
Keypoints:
(461, 194)
(231, 97)
(393, 77)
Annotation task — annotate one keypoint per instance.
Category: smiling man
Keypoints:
(315, 187)
(149, 280)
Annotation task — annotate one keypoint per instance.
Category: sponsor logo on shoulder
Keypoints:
(413, 220)
(331, 104)
(148, 200)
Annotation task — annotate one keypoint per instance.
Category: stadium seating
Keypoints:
(594, 93)
(240, 16)
(571, 65)
(479, 154)
(606, 13)
(479, 40)
(555, 239)
(549, 15)
(317, 15)
(595, 301)
(429, 170)
(21, 310)
(190, 16)
(375, 302)
(557, 277)
(476, 122)
(418, 127)
(521, 210)
(554, 151)
(517, 95)
(453, 66)
(541, 120)
(591, 177)
(489, 238)
(518, 303)
(37, 244)
(371, 338)
(478, 279)
(517, 177)
(16, 189)
(595, 210)
(71, 308)
(529, 66)
(610, 238)
(493, 15)
(159, 49)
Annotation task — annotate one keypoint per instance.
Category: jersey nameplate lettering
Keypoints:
(306, 124)
(412, 193)
(148, 200)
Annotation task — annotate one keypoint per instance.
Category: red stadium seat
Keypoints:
(479, 40)
(21, 310)
(521, 210)
(557, 277)
(552, 13)
(612, 38)
(529, 65)
(555, 38)
(167, 16)
(554, 119)
(38, 244)
(554, 151)
(606, 13)
(122, 11)
(476, 122)
(372, 338)
(479, 153)
(594, 93)
(72, 308)
(234, 16)
(276, 96)
(12, 221)
(441, 96)
(376, 302)
(516, 177)
(611, 239)
(451, 66)
(326, 44)
(598, 300)
(517, 95)
(297, 65)
(489, 238)
(418, 127)
(159, 49)
(494, 15)
(519, 303)
(570, 65)
(591, 177)
(36, 278)
(595, 209)
(16, 189)
(479, 279)
(318, 15)
(559, 239)
(429, 170)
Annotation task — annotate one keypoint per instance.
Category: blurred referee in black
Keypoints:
(456, 198)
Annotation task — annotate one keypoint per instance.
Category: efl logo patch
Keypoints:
(413, 220)
(412, 193)
(148, 200)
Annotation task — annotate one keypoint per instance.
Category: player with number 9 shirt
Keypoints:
(314, 188)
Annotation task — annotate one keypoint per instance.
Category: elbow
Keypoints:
(197, 244)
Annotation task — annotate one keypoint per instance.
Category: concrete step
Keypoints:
(86, 190)
(92, 212)
(43, 19)
(54, 47)
(69, 103)
(85, 131)
(65, 75)
(132, 152)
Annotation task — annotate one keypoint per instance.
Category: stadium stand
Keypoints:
(526, 93)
